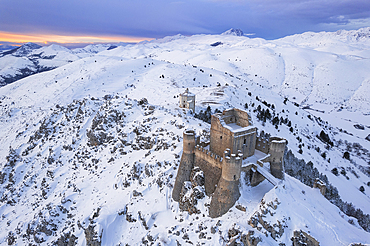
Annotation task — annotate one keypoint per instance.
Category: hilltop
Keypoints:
(89, 150)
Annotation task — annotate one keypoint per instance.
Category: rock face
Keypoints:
(67, 240)
(259, 220)
(236, 237)
(192, 191)
(92, 238)
(301, 238)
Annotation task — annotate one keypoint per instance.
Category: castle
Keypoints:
(234, 147)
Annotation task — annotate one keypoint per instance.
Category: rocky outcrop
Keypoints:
(261, 220)
(192, 191)
(236, 237)
(301, 238)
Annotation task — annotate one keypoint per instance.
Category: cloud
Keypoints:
(158, 18)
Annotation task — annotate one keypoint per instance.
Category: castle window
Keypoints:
(220, 137)
(245, 141)
(188, 143)
(234, 177)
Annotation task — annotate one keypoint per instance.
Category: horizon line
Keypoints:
(67, 39)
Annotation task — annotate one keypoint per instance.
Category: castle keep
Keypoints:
(234, 147)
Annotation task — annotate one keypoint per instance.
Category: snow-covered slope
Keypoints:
(31, 58)
(84, 157)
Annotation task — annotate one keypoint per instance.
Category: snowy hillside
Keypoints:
(89, 151)
(30, 59)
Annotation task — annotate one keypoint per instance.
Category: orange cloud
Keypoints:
(45, 38)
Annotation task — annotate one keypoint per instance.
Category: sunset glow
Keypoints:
(45, 38)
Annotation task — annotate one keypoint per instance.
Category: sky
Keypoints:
(71, 21)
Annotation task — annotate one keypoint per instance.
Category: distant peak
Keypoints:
(31, 46)
(234, 32)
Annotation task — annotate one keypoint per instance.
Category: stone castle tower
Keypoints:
(186, 163)
(276, 151)
(187, 100)
(233, 140)
(227, 191)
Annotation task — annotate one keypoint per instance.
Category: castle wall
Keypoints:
(245, 141)
(255, 177)
(227, 191)
(263, 160)
(262, 144)
(213, 159)
(225, 196)
(236, 115)
(210, 164)
(221, 138)
(212, 175)
(231, 166)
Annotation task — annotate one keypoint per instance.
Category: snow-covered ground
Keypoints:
(31, 58)
(79, 147)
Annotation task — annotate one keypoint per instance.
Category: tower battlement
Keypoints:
(231, 165)
(208, 156)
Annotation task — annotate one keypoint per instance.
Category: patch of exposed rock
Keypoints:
(192, 191)
(236, 237)
(262, 220)
(301, 238)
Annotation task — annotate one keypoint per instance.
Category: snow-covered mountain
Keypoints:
(89, 151)
(233, 32)
(31, 58)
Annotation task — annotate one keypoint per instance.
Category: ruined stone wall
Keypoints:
(225, 196)
(245, 141)
(242, 117)
(320, 185)
(212, 175)
(262, 144)
(221, 138)
(210, 164)
(236, 116)
(187, 101)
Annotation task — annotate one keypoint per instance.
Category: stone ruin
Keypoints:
(234, 147)
(187, 100)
